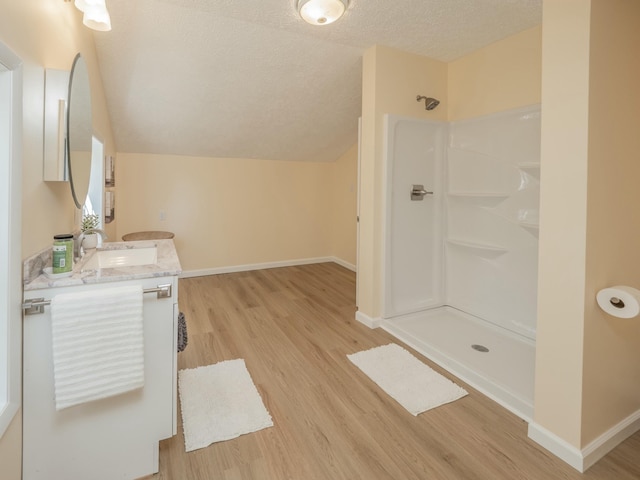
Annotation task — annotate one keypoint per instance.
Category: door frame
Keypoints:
(11, 241)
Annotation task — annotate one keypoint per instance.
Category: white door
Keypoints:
(413, 238)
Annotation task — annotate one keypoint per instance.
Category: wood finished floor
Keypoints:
(294, 327)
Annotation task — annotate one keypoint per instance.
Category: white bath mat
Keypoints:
(406, 379)
(219, 402)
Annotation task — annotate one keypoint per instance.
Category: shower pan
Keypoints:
(460, 267)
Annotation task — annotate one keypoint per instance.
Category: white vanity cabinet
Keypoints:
(111, 438)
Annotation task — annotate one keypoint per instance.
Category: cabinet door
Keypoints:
(160, 359)
(115, 437)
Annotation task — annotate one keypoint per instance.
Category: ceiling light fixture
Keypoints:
(321, 12)
(96, 16)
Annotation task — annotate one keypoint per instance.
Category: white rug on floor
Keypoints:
(219, 402)
(406, 379)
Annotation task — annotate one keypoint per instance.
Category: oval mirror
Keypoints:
(79, 131)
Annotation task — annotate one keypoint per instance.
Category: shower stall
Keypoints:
(461, 247)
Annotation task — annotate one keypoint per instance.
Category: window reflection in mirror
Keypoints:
(93, 203)
(79, 131)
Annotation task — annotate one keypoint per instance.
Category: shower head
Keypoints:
(429, 103)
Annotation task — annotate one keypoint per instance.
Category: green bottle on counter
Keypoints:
(62, 253)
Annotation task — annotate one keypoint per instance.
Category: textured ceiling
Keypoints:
(250, 79)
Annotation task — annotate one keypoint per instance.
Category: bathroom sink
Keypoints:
(124, 257)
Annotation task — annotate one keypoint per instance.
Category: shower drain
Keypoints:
(480, 348)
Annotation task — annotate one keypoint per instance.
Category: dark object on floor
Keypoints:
(182, 332)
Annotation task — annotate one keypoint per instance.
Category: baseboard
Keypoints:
(263, 266)
(367, 320)
(581, 460)
(343, 263)
(559, 447)
(610, 439)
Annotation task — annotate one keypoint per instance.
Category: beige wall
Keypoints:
(231, 212)
(611, 390)
(501, 76)
(367, 241)
(44, 34)
(563, 219)
(588, 363)
(391, 81)
(48, 35)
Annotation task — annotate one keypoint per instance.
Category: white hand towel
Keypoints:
(98, 348)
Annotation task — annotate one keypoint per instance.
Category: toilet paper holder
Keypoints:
(616, 302)
(620, 301)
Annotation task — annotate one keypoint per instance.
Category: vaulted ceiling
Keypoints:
(250, 79)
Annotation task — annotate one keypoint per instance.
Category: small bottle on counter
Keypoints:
(62, 253)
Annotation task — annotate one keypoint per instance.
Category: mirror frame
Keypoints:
(78, 185)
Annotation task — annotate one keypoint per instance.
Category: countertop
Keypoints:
(167, 264)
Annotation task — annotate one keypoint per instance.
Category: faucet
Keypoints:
(77, 245)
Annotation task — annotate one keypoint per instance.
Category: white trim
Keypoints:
(263, 266)
(610, 439)
(583, 459)
(345, 264)
(385, 261)
(358, 178)
(13, 177)
(367, 320)
(556, 445)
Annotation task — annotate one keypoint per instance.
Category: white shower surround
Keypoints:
(492, 218)
(412, 269)
(462, 264)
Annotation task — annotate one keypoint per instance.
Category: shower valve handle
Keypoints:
(418, 192)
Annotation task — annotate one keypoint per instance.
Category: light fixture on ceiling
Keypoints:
(96, 16)
(321, 12)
